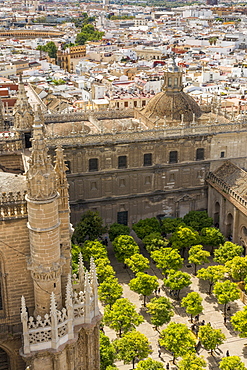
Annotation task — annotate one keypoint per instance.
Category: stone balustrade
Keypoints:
(57, 326)
(226, 188)
(140, 133)
(10, 142)
(13, 205)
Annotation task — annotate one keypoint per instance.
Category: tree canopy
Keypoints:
(198, 220)
(177, 338)
(237, 267)
(210, 338)
(156, 244)
(227, 251)
(145, 227)
(169, 225)
(167, 259)
(149, 238)
(212, 236)
(122, 316)
(89, 228)
(144, 284)
(239, 322)
(88, 33)
(232, 363)
(104, 269)
(198, 256)
(149, 364)
(107, 352)
(49, 48)
(212, 274)
(137, 263)
(177, 280)
(161, 311)
(226, 292)
(93, 249)
(118, 229)
(124, 247)
(109, 291)
(193, 304)
(184, 237)
(191, 361)
(134, 345)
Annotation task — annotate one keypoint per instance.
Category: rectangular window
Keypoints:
(122, 218)
(173, 156)
(199, 154)
(122, 161)
(147, 160)
(93, 164)
(222, 154)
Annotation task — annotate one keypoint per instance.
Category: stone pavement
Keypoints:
(212, 313)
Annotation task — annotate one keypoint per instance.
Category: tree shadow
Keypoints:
(213, 360)
(244, 351)
(231, 330)
(218, 308)
(203, 286)
(211, 299)
(145, 315)
(234, 307)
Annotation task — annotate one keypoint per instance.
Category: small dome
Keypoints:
(172, 106)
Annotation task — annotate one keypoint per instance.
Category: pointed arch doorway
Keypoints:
(4, 360)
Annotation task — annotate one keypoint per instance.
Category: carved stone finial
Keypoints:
(62, 183)
(81, 271)
(87, 286)
(23, 309)
(23, 113)
(93, 274)
(68, 299)
(53, 304)
(60, 167)
(41, 176)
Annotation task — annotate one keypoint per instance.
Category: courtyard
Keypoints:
(212, 313)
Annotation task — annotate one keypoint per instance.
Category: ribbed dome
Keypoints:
(172, 105)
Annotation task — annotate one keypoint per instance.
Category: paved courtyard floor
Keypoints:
(212, 313)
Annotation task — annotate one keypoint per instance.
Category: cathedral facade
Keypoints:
(163, 160)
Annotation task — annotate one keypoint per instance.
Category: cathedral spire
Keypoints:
(23, 113)
(41, 176)
(61, 168)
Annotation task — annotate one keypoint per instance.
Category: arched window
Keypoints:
(175, 81)
(4, 360)
(169, 81)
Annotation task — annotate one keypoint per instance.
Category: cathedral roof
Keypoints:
(233, 176)
(172, 105)
(10, 182)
